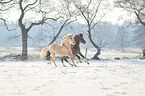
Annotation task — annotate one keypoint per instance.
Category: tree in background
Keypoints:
(5, 6)
(40, 38)
(102, 34)
(139, 39)
(92, 12)
(139, 36)
(122, 38)
(30, 14)
(134, 6)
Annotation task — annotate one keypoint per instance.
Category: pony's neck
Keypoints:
(77, 43)
(66, 44)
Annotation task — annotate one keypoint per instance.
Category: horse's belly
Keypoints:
(62, 52)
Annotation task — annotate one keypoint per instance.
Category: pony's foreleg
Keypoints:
(78, 60)
(78, 56)
(73, 61)
(83, 57)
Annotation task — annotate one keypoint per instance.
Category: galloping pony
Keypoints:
(76, 48)
(62, 49)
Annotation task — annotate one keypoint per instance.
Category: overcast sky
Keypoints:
(115, 15)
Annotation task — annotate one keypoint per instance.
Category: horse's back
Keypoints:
(54, 46)
(58, 49)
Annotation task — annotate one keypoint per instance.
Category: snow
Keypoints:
(99, 78)
(105, 77)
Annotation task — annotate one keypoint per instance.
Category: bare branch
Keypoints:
(126, 8)
(41, 22)
(93, 17)
(21, 8)
(133, 6)
(32, 8)
(138, 16)
(5, 9)
(13, 37)
(50, 25)
(30, 5)
(97, 22)
(71, 21)
(6, 25)
(5, 2)
(87, 8)
(82, 13)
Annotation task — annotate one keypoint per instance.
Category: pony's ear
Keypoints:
(64, 37)
(81, 35)
(69, 35)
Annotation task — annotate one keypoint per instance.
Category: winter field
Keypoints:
(106, 77)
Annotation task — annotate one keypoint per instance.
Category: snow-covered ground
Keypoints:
(100, 78)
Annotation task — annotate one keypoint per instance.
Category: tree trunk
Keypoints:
(98, 50)
(96, 46)
(24, 45)
(144, 54)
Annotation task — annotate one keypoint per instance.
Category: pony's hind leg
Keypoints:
(64, 58)
(53, 56)
(62, 61)
(52, 59)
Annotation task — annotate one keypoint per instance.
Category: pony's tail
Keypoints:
(43, 51)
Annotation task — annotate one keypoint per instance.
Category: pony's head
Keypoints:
(79, 38)
(68, 38)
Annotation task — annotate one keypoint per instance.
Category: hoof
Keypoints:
(71, 64)
(64, 66)
(79, 62)
(75, 66)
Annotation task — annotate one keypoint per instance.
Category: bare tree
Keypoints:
(134, 6)
(122, 38)
(101, 34)
(89, 11)
(29, 6)
(139, 35)
(5, 6)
